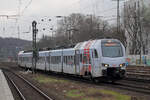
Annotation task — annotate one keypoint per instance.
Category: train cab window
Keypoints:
(95, 53)
(112, 49)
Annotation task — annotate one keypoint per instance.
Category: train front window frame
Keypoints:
(112, 50)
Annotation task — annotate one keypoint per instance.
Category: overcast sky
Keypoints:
(47, 9)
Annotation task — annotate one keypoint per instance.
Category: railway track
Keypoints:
(135, 86)
(130, 84)
(140, 80)
(25, 89)
(139, 72)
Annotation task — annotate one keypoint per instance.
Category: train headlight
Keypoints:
(121, 65)
(105, 65)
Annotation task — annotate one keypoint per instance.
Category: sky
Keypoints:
(30, 10)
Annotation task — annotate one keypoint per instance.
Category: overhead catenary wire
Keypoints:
(104, 11)
(94, 5)
(22, 12)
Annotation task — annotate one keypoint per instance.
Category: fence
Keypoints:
(135, 60)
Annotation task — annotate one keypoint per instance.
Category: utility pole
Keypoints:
(35, 52)
(125, 14)
(140, 31)
(18, 28)
(118, 16)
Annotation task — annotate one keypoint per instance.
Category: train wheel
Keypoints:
(26, 68)
(95, 80)
(112, 81)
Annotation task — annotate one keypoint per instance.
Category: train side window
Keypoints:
(19, 59)
(76, 59)
(24, 59)
(59, 59)
(56, 59)
(48, 59)
(43, 60)
(63, 59)
(80, 57)
(72, 60)
(29, 59)
(51, 59)
(95, 53)
(66, 59)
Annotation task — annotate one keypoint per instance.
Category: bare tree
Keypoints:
(78, 27)
(136, 23)
(132, 25)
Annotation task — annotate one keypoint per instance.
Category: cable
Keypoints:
(111, 19)
(26, 7)
(19, 7)
(95, 6)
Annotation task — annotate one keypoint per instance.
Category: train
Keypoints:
(95, 59)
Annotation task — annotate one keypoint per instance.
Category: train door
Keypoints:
(62, 62)
(47, 61)
(77, 62)
(50, 62)
(86, 61)
(96, 63)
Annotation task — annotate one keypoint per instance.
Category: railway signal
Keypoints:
(35, 51)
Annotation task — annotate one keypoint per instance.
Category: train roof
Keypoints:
(93, 43)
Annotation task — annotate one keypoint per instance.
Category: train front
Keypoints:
(113, 59)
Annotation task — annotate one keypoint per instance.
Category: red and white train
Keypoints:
(103, 58)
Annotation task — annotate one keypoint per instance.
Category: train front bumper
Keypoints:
(114, 72)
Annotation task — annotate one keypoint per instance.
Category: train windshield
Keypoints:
(112, 49)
